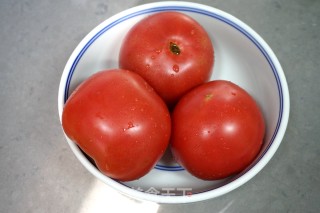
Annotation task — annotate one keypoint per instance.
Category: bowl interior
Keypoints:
(240, 56)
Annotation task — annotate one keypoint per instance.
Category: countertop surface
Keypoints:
(39, 172)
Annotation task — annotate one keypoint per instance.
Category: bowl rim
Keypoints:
(283, 90)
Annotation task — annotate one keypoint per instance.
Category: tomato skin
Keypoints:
(117, 119)
(147, 50)
(217, 130)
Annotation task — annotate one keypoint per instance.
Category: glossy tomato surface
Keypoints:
(217, 131)
(119, 121)
(171, 51)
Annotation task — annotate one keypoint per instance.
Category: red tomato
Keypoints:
(217, 130)
(118, 120)
(171, 51)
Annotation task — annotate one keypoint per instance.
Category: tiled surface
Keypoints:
(39, 173)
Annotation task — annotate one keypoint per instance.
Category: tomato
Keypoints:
(217, 130)
(171, 51)
(118, 120)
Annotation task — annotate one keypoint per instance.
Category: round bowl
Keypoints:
(241, 56)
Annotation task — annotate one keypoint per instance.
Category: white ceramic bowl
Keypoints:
(241, 56)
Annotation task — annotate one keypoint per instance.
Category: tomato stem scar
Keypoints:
(174, 48)
(208, 97)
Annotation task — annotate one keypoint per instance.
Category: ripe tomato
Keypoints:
(118, 120)
(171, 51)
(217, 130)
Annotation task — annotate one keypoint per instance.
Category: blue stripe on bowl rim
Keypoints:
(202, 12)
(169, 168)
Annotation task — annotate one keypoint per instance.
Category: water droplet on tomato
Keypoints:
(192, 32)
(153, 57)
(130, 125)
(107, 167)
(175, 68)
(99, 115)
(172, 75)
(133, 109)
(158, 51)
(147, 66)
